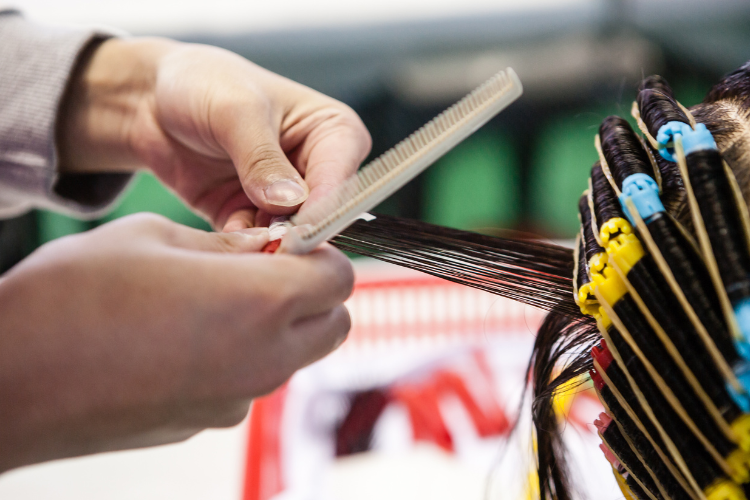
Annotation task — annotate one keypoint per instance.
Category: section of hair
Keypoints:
(591, 246)
(606, 204)
(582, 271)
(657, 104)
(650, 284)
(672, 189)
(722, 220)
(615, 440)
(560, 355)
(642, 444)
(622, 149)
(535, 273)
(701, 465)
(693, 279)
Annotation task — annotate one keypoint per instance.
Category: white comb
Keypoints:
(397, 166)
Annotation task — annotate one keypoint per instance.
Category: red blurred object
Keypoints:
(489, 419)
(426, 421)
(272, 246)
(263, 478)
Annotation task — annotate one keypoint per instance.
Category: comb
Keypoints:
(397, 166)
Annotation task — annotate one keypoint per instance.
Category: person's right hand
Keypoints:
(144, 332)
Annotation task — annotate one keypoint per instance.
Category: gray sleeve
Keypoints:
(35, 65)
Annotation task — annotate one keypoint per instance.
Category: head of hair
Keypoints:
(560, 357)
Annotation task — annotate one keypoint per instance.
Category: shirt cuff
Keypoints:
(36, 63)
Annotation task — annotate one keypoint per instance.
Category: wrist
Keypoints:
(113, 83)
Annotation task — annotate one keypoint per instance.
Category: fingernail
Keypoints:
(285, 193)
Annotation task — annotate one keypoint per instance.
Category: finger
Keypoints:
(312, 283)
(314, 337)
(247, 240)
(263, 219)
(229, 205)
(241, 219)
(267, 176)
(332, 154)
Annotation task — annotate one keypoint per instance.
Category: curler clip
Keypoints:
(698, 140)
(741, 428)
(587, 300)
(602, 355)
(613, 228)
(692, 140)
(597, 263)
(643, 190)
(625, 251)
(742, 313)
(742, 372)
(610, 286)
(597, 379)
(723, 489)
(739, 461)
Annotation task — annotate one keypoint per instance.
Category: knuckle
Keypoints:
(148, 220)
(232, 414)
(261, 160)
(348, 118)
(334, 329)
(239, 101)
(286, 298)
(342, 275)
(342, 323)
(278, 300)
(273, 379)
(143, 223)
(285, 272)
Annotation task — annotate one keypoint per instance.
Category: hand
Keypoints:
(232, 139)
(144, 332)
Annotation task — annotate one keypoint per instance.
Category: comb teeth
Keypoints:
(394, 168)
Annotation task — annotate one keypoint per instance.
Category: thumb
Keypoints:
(268, 177)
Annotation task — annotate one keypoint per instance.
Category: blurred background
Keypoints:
(398, 63)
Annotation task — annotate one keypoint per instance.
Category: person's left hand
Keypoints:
(235, 141)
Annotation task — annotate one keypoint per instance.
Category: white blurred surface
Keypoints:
(228, 16)
(209, 466)
(377, 476)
